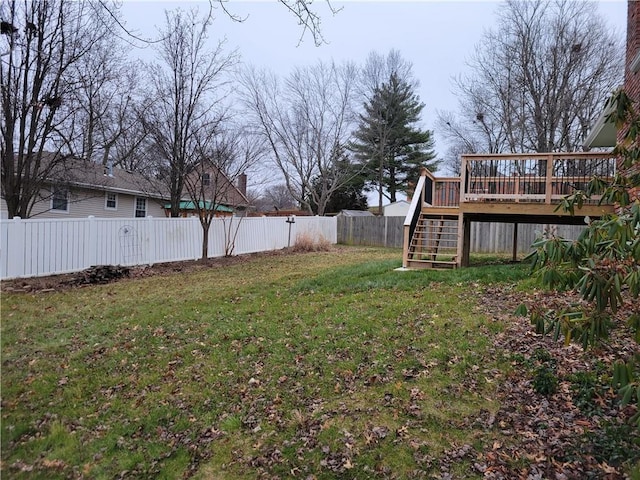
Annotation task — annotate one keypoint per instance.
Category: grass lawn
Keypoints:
(322, 365)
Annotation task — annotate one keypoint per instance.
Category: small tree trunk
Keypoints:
(380, 187)
(205, 241)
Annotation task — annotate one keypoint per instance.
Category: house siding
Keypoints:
(86, 202)
(631, 78)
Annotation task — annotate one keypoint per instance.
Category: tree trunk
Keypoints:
(381, 180)
(205, 241)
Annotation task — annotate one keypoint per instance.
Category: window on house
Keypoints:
(141, 207)
(111, 201)
(60, 200)
(206, 179)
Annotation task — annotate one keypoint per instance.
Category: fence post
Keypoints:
(15, 249)
(198, 235)
(386, 224)
(151, 251)
(91, 253)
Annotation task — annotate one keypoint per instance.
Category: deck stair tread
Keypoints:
(432, 234)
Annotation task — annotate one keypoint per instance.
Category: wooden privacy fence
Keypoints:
(371, 231)
(52, 246)
(486, 237)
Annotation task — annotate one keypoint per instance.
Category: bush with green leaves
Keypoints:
(603, 264)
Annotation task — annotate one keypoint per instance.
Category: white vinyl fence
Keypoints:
(35, 247)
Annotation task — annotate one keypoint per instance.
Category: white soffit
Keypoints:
(603, 133)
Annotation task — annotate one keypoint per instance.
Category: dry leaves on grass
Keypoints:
(580, 431)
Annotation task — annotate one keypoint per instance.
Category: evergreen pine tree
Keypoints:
(388, 141)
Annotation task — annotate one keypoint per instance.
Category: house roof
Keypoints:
(92, 175)
(603, 133)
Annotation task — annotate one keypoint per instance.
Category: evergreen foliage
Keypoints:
(388, 142)
(349, 196)
(603, 265)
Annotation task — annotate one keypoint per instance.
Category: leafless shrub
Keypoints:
(305, 242)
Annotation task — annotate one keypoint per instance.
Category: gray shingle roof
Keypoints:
(87, 174)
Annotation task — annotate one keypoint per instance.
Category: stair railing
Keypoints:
(422, 193)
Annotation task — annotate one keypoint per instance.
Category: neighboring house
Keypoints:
(208, 187)
(188, 209)
(397, 209)
(78, 188)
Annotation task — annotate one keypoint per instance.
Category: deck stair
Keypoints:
(434, 242)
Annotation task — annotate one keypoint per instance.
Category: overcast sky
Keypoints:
(437, 37)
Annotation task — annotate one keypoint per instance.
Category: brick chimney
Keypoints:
(242, 184)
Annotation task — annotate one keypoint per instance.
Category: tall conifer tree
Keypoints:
(389, 141)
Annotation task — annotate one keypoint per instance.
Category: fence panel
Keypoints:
(498, 237)
(371, 231)
(486, 237)
(316, 227)
(53, 246)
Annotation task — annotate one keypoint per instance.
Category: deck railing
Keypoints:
(446, 192)
(527, 178)
(411, 220)
(536, 177)
(429, 191)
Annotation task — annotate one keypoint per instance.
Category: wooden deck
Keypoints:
(526, 188)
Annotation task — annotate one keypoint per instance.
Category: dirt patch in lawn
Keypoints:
(111, 273)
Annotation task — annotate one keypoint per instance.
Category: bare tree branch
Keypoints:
(537, 80)
(306, 120)
(38, 86)
(185, 106)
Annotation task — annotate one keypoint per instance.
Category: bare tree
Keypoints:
(43, 43)
(104, 104)
(184, 106)
(459, 140)
(379, 68)
(222, 161)
(306, 120)
(305, 13)
(132, 147)
(537, 80)
(276, 197)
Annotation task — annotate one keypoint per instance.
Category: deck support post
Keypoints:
(464, 240)
(515, 242)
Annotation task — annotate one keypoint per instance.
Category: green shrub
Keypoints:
(545, 381)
